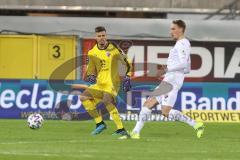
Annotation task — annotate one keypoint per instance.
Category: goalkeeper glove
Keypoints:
(126, 84)
(91, 79)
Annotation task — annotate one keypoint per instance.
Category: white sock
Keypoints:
(179, 116)
(143, 116)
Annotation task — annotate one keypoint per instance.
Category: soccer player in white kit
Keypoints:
(178, 64)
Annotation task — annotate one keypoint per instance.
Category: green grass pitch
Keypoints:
(71, 140)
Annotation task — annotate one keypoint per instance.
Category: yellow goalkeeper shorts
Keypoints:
(97, 90)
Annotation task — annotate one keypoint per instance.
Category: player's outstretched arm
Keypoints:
(126, 80)
(91, 70)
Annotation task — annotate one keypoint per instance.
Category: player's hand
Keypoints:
(162, 70)
(91, 78)
(126, 84)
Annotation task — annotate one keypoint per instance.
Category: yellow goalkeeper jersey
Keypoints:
(104, 64)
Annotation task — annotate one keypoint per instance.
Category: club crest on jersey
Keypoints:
(108, 54)
(183, 52)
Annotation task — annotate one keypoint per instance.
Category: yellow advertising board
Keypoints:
(214, 115)
(17, 56)
(53, 51)
(34, 56)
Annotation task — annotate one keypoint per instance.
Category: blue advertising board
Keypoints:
(18, 98)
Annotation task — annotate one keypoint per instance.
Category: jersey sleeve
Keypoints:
(184, 55)
(91, 68)
(125, 61)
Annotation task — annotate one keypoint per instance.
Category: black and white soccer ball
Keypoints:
(35, 121)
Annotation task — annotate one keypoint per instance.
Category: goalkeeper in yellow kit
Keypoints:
(103, 73)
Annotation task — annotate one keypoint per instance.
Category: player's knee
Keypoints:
(150, 103)
(107, 101)
(85, 96)
(165, 114)
(82, 98)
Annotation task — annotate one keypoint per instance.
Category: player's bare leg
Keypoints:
(176, 115)
(167, 111)
(109, 102)
(90, 104)
(143, 117)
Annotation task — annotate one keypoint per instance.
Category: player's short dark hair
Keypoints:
(180, 24)
(100, 29)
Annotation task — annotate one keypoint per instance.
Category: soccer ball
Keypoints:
(35, 121)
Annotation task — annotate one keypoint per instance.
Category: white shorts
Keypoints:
(176, 79)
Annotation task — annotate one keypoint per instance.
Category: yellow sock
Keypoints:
(90, 106)
(115, 115)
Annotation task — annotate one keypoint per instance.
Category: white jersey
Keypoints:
(179, 57)
(178, 64)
